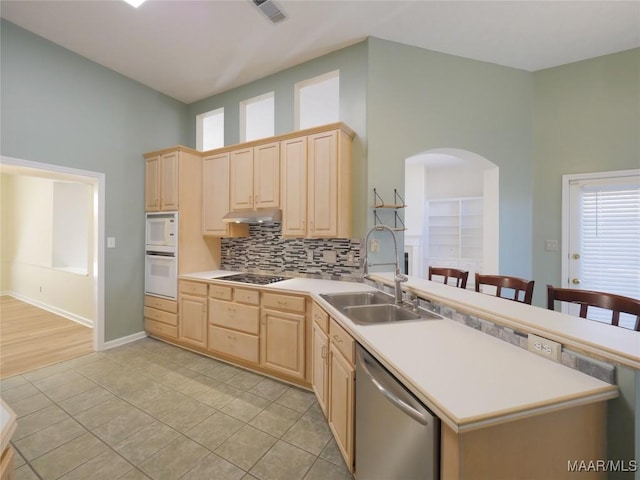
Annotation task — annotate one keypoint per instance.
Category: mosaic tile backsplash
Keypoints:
(265, 251)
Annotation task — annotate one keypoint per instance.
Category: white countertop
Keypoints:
(617, 344)
(468, 378)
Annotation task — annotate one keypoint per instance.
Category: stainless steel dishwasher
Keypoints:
(397, 437)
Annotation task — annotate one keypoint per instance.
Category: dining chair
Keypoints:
(588, 298)
(518, 285)
(459, 275)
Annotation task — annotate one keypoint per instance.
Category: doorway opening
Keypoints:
(38, 267)
(452, 216)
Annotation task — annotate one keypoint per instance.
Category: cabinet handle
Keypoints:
(282, 304)
(323, 352)
(337, 339)
(255, 200)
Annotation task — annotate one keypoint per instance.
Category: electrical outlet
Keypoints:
(551, 245)
(351, 258)
(544, 347)
(309, 255)
(329, 256)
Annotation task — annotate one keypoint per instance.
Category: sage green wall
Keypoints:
(419, 100)
(352, 63)
(587, 119)
(62, 109)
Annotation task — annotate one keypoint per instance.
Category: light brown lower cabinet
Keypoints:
(333, 379)
(282, 339)
(234, 323)
(161, 317)
(282, 334)
(192, 308)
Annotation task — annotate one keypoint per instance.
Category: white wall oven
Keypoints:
(161, 255)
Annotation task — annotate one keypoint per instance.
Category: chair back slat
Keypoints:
(460, 276)
(516, 284)
(588, 298)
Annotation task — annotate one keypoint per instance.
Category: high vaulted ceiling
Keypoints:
(190, 50)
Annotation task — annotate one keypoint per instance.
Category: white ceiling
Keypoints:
(190, 50)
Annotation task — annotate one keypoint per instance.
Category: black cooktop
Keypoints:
(253, 278)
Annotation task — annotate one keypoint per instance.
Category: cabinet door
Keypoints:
(319, 357)
(341, 406)
(215, 194)
(266, 176)
(241, 172)
(192, 325)
(169, 182)
(152, 184)
(294, 187)
(323, 185)
(282, 342)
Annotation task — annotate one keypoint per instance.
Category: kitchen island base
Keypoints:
(551, 445)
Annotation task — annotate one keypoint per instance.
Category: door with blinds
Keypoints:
(602, 251)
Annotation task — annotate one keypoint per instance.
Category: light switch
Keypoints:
(111, 242)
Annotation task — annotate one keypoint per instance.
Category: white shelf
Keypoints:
(455, 233)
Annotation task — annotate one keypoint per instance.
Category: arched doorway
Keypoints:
(452, 214)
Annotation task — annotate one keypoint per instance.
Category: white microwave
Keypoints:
(162, 230)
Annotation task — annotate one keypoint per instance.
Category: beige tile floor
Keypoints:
(151, 410)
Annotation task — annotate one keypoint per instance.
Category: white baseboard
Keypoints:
(123, 340)
(58, 311)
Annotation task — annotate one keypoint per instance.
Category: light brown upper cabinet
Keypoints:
(255, 177)
(316, 185)
(215, 198)
(173, 182)
(161, 182)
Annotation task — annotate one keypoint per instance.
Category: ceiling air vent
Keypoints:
(270, 9)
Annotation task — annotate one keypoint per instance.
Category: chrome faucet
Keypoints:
(398, 278)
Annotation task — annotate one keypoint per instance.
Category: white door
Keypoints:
(601, 250)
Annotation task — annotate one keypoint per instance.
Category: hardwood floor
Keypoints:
(31, 338)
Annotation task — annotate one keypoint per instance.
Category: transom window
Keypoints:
(257, 117)
(210, 130)
(317, 100)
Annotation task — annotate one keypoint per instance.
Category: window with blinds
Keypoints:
(610, 239)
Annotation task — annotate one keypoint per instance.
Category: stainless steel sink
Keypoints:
(366, 314)
(343, 300)
(370, 308)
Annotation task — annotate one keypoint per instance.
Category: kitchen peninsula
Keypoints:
(494, 399)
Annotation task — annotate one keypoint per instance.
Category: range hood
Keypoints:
(262, 215)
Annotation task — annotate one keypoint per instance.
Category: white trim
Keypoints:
(55, 310)
(118, 342)
(98, 180)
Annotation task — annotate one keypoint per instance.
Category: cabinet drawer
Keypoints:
(193, 288)
(320, 317)
(283, 302)
(342, 340)
(220, 291)
(160, 316)
(233, 315)
(170, 306)
(250, 297)
(236, 344)
(159, 328)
